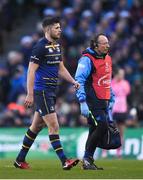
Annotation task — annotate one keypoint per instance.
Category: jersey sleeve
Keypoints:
(37, 54)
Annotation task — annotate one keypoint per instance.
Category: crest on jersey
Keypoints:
(50, 50)
(56, 58)
(52, 108)
(58, 49)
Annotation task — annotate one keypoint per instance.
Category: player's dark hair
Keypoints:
(50, 20)
(94, 41)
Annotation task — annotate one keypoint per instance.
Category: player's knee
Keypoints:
(54, 129)
(40, 127)
(37, 128)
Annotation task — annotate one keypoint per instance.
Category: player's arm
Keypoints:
(63, 73)
(31, 76)
(30, 83)
(35, 60)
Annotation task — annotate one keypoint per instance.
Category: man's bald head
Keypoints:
(100, 43)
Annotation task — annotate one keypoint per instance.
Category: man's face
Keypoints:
(121, 74)
(55, 31)
(103, 45)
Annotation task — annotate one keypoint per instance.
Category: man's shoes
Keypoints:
(69, 163)
(88, 164)
(21, 165)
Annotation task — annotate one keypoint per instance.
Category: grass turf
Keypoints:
(51, 169)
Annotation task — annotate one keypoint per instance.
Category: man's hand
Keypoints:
(29, 101)
(84, 109)
(76, 85)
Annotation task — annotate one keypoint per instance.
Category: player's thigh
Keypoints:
(37, 123)
(44, 103)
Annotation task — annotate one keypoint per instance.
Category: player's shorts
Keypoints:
(120, 117)
(44, 102)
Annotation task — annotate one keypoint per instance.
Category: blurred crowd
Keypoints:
(120, 20)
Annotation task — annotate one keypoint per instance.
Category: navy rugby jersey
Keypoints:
(48, 57)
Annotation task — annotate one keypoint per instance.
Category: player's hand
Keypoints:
(28, 101)
(84, 109)
(76, 85)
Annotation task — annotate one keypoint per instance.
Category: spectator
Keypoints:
(121, 20)
(4, 85)
(26, 49)
(121, 88)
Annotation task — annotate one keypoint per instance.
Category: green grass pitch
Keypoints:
(51, 169)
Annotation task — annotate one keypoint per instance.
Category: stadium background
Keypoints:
(20, 29)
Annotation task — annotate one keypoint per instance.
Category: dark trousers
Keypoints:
(95, 135)
(98, 107)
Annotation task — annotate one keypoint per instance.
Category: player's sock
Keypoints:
(27, 143)
(56, 144)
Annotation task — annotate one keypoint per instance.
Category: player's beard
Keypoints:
(54, 37)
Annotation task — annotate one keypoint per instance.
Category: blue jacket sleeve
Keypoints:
(110, 106)
(82, 73)
(112, 100)
(112, 96)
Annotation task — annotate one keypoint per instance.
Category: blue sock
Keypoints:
(56, 144)
(27, 143)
